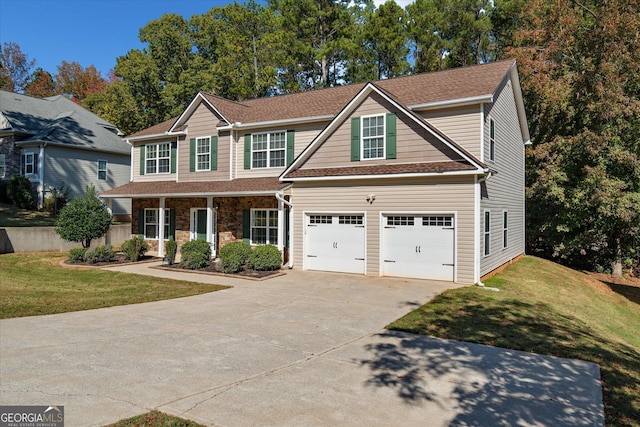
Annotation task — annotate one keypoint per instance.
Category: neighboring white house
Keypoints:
(418, 176)
(54, 141)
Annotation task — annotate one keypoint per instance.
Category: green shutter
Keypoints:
(174, 156)
(246, 226)
(247, 151)
(141, 223)
(213, 154)
(172, 224)
(355, 139)
(192, 155)
(290, 146)
(391, 136)
(142, 160)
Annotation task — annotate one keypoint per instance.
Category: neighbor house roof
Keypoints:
(58, 121)
(241, 186)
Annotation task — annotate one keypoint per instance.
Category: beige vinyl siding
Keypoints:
(461, 124)
(303, 137)
(450, 195)
(413, 143)
(505, 189)
(135, 163)
(202, 124)
(78, 168)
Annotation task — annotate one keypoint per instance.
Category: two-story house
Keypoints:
(419, 176)
(54, 141)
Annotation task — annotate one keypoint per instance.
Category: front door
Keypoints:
(199, 227)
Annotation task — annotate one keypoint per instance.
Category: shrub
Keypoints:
(19, 192)
(195, 254)
(234, 256)
(266, 257)
(103, 253)
(77, 254)
(84, 219)
(4, 197)
(172, 248)
(134, 248)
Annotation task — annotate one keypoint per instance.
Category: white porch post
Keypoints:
(161, 228)
(280, 226)
(210, 221)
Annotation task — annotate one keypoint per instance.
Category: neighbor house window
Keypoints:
(264, 227)
(158, 158)
(505, 228)
(373, 137)
(151, 225)
(102, 170)
(268, 150)
(492, 140)
(29, 163)
(203, 154)
(3, 166)
(487, 232)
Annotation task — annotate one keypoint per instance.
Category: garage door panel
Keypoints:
(335, 246)
(418, 246)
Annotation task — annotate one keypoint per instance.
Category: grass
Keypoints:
(33, 284)
(11, 216)
(548, 309)
(155, 419)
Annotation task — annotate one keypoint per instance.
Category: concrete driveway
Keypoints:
(304, 349)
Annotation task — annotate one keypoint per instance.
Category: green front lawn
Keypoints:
(11, 216)
(34, 284)
(547, 309)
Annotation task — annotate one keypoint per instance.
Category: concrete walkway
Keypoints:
(304, 349)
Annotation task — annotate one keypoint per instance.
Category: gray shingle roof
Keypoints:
(58, 121)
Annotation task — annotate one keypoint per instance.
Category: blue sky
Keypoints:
(90, 32)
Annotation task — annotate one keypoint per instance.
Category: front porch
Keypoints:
(254, 210)
(218, 220)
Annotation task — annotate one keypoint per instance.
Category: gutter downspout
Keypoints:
(291, 227)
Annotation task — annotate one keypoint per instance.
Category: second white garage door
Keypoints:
(418, 246)
(335, 242)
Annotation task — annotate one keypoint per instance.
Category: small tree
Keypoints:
(84, 219)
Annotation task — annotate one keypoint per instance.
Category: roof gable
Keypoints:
(453, 151)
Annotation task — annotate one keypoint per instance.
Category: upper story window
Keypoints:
(3, 166)
(492, 140)
(102, 170)
(373, 137)
(203, 154)
(158, 158)
(268, 150)
(29, 163)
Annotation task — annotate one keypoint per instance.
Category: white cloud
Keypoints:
(401, 3)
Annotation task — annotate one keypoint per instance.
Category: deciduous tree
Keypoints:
(15, 68)
(85, 218)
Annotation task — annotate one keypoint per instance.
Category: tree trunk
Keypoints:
(86, 243)
(255, 67)
(617, 263)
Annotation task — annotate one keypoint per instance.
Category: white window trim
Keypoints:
(167, 222)
(492, 140)
(486, 234)
(267, 228)
(198, 154)
(3, 162)
(505, 229)
(269, 150)
(23, 165)
(157, 158)
(384, 137)
(105, 170)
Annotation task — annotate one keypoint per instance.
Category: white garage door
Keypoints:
(418, 246)
(335, 242)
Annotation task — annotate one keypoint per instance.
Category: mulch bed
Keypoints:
(215, 269)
